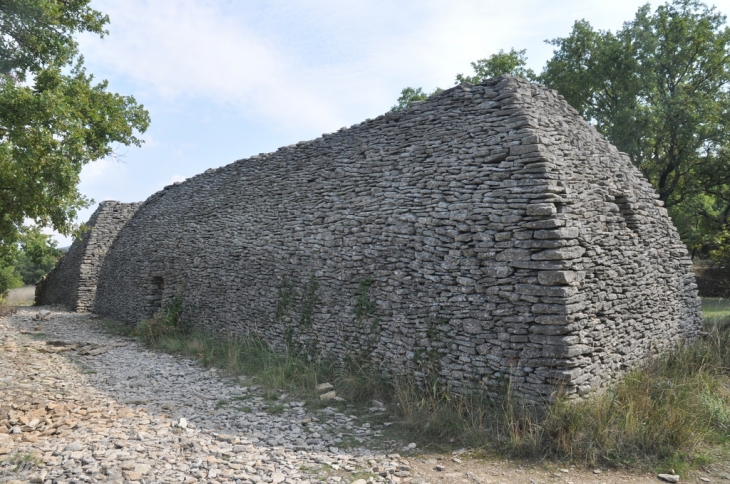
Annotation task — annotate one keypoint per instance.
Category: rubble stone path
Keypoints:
(81, 405)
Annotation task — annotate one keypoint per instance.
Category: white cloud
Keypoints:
(176, 48)
(105, 169)
(322, 63)
(305, 62)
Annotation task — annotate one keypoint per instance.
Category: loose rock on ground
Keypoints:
(81, 405)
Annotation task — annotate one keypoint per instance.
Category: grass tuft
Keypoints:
(672, 413)
(669, 413)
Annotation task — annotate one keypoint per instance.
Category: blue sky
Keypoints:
(225, 80)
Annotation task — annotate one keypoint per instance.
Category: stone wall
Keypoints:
(73, 281)
(485, 235)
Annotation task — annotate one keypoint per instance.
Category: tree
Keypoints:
(27, 261)
(54, 118)
(658, 89)
(38, 255)
(410, 95)
(39, 33)
(512, 62)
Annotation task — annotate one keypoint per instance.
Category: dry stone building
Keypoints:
(485, 235)
(72, 283)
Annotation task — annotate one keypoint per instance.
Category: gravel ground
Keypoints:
(80, 405)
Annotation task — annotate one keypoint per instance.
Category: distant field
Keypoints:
(715, 307)
(22, 296)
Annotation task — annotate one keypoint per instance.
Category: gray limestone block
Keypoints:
(565, 253)
(557, 278)
(541, 209)
(561, 233)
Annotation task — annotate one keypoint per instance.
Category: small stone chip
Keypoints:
(323, 387)
(328, 396)
(669, 477)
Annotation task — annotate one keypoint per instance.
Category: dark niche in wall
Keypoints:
(155, 289)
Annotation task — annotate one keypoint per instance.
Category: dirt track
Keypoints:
(80, 405)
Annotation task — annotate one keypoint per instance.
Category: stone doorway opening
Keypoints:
(154, 295)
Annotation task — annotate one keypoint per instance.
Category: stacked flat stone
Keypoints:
(72, 282)
(486, 236)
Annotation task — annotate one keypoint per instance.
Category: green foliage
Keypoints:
(287, 298)
(364, 305)
(39, 33)
(295, 312)
(37, 246)
(667, 413)
(38, 255)
(51, 128)
(27, 260)
(167, 322)
(428, 357)
(29, 272)
(9, 278)
(720, 250)
(512, 63)
(364, 335)
(250, 356)
(309, 301)
(658, 90)
(411, 95)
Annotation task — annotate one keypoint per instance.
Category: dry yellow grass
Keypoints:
(22, 296)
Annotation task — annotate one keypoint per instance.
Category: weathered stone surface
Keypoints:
(541, 209)
(73, 281)
(556, 278)
(392, 237)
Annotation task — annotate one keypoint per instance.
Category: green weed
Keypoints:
(666, 414)
(116, 328)
(276, 409)
(670, 413)
(167, 322)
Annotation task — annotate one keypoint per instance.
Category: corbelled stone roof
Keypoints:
(487, 234)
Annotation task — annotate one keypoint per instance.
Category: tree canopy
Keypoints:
(40, 33)
(658, 89)
(54, 118)
(512, 62)
(410, 95)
